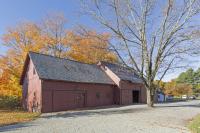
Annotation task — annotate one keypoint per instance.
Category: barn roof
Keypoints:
(53, 68)
(123, 73)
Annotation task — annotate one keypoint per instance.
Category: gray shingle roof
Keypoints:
(123, 73)
(49, 67)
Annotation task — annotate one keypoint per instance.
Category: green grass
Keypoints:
(194, 125)
(8, 117)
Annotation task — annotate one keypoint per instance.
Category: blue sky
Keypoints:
(15, 11)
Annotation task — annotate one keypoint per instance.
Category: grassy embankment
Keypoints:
(194, 125)
(8, 117)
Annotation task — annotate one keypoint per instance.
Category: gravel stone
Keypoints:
(164, 118)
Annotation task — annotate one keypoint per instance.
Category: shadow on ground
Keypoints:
(188, 105)
(113, 110)
(92, 113)
(14, 127)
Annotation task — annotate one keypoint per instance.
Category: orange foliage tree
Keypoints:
(19, 40)
(90, 47)
(176, 89)
(54, 35)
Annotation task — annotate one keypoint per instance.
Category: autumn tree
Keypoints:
(183, 89)
(170, 87)
(20, 40)
(151, 37)
(23, 38)
(90, 47)
(160, 85)
(81, 44)
(54, 34)
(177, 89)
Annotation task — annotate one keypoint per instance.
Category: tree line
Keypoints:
(187, 83)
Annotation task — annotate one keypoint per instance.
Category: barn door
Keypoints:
(135, 96)
(47, 103)
(65, 100)
(80, 100)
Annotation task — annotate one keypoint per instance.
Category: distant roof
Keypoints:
(123, 73)
(50, 67)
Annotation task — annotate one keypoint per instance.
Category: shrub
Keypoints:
(10, 102)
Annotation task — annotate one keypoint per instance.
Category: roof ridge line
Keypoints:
(119, 65)
(60, 58)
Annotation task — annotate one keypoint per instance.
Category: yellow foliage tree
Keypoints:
(19, 40)
(90, 48)
(183, 89)
(54, 35)
(170, 87)
(177, 89)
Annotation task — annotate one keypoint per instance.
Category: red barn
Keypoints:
(56, 84)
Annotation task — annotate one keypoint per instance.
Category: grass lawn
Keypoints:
(194, 125)
(8, 117)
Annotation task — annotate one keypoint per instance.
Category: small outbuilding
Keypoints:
(159, 96)
(53, 84)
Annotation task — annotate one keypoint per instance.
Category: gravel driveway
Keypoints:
(164, 118)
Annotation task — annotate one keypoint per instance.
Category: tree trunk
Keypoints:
(150, 97)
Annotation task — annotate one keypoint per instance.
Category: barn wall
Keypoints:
(123, 93)
(126, 89)
(95, 94)
(117, 95)
(31, 90)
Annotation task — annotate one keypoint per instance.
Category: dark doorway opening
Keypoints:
(135, 96)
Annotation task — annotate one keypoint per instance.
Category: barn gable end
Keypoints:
(31, 87)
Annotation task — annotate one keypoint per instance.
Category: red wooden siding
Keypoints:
(58, 96)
